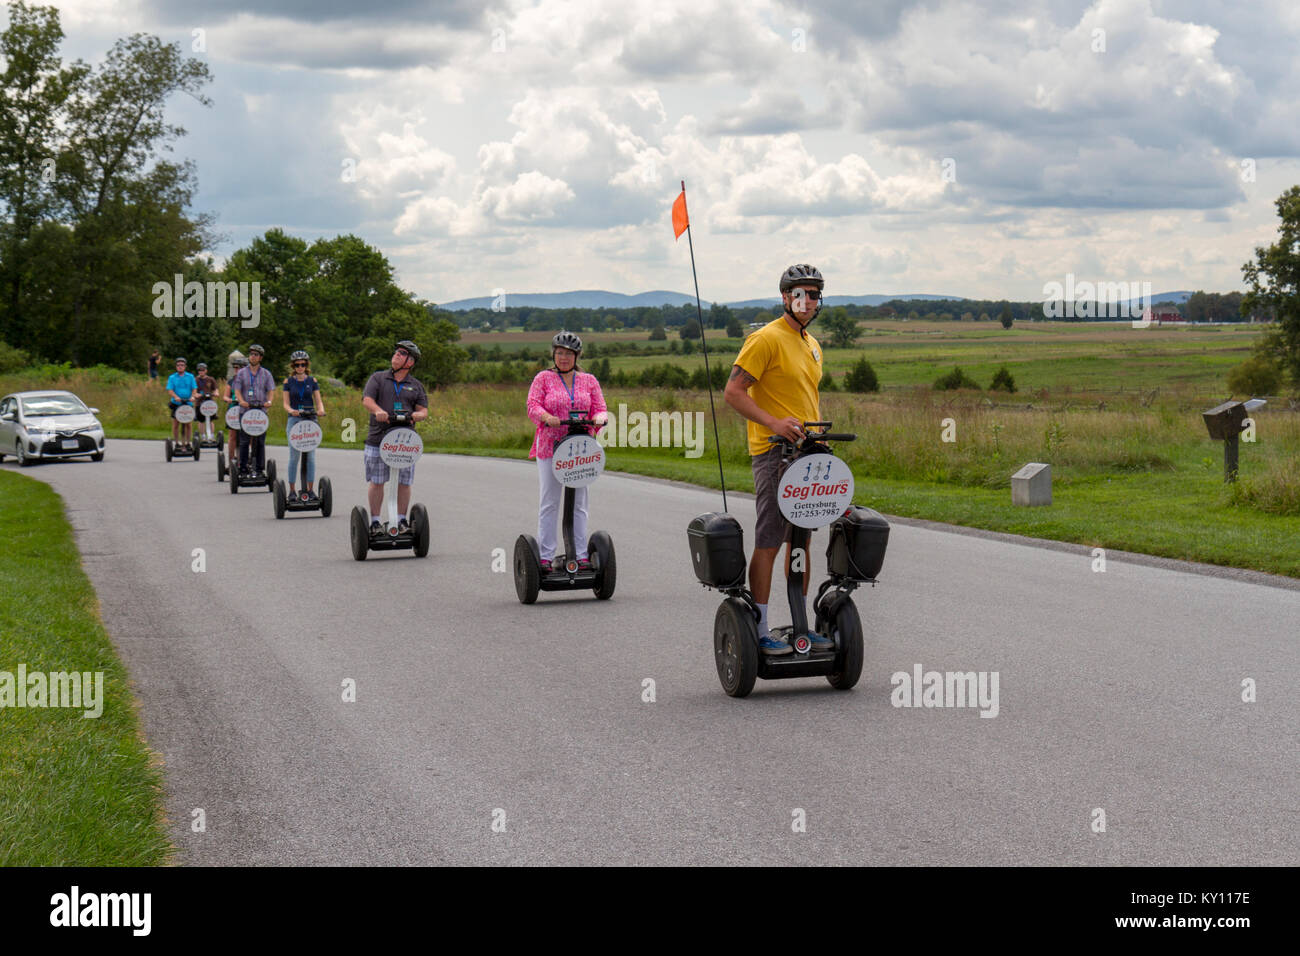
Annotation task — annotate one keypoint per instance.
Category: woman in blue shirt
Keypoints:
(301, 400)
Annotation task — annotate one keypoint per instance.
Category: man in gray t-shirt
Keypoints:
(253, 387)
(388, 392)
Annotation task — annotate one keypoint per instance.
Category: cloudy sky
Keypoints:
(981, 149)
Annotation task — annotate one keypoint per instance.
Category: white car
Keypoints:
(37, 425)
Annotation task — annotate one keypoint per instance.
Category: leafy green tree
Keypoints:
(691, 330)
(954, 380)
(1002, 380)
(1006, 318)
(1258, 375)
(842, 327)
(734, 329)
(1273, 279)
(657, 334)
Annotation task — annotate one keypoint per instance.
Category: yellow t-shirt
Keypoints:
(788, 367)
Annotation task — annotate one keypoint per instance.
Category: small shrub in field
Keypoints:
(12, 359)
(828, 383)
(1003, 381)
(1258, 375)
(658, 334)
(955, 379)
(861, 377)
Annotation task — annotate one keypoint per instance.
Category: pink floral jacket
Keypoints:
(548, 394)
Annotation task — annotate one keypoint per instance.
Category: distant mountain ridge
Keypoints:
(600, 299)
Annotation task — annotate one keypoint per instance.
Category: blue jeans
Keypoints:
(293, 458)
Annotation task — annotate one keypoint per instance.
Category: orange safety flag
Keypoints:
(680, 220)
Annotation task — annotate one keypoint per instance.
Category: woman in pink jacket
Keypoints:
(554, 392)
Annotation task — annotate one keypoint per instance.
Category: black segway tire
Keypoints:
(528, 572)
(326, 492)
(359, 532)
(167, 448)
(420, 530)
(846, 631)
(279, 497)
(221, 467)
(270, 472)
(195, 446)
(735, 647)
(607, 576)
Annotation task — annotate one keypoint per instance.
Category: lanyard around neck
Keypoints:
(566, 387)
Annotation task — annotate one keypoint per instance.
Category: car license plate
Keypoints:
(70, 443)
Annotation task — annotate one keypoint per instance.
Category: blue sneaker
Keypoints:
(820, 643)
(774, 646)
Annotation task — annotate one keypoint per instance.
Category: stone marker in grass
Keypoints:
(1032, 485)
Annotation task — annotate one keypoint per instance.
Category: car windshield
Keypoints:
(43, 405)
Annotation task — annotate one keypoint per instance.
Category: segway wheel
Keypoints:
(270, 472)
(528, 573)
(195, 446)
(234, 481)
(221, 439)
(360, 533)
(603, 545)
(167, 448)
(221, 467)
(279, 497)
(326, 498)
(735, 647)
(846, 630)
(420, 530)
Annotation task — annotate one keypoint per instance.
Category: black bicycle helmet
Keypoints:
(412, 349)
(256, 348)
(801, 274)
(240, 362)
(300, 356)
(566, 340)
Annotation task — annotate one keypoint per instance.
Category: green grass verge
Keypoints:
(74, 791)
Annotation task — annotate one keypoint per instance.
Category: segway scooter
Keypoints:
(577, 462)
(182, 449)
(400, 447)
(208, 409)
(305, 436)
(254, 422)
(232, 423)
(815, 489)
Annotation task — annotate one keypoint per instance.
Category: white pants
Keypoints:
(551, 514)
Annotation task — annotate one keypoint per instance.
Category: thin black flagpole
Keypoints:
(699, 310)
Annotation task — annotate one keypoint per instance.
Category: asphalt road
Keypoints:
(1118, 690)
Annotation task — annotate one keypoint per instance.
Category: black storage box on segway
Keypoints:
(717, 550)
(856, 549)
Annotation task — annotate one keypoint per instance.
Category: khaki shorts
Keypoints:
(772, 528)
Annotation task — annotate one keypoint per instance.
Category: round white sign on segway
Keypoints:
(255, 422)
(578, 461)
(185, 414)
(208, 408)
(232, 418)
(305, 435)
(815, 490)
(401, 447)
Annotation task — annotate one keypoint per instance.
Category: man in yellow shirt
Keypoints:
(775, 384)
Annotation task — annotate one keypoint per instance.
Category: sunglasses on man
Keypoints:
(814, 296)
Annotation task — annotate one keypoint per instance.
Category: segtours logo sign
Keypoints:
(208, 407)
(255, 422)
(305, 435)
(232, 418)
(578, 461)
(815, 490)
(185, 414)
(401, 447)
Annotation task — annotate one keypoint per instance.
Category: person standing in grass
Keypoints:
(154, 359)
(775, 384)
